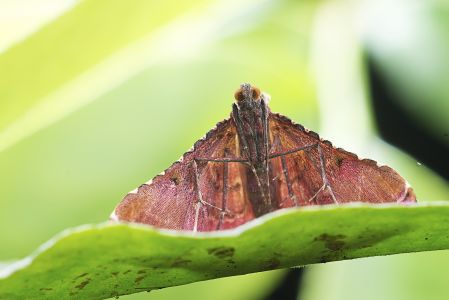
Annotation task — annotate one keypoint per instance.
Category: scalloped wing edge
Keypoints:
(407, 190)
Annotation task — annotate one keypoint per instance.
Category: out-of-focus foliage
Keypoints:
(409, 41)
(110, 93)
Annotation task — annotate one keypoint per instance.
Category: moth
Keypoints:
(253, 163)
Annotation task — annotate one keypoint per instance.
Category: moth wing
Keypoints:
(350, 179)
(171, 199)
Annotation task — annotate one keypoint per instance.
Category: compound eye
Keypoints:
(238, 95)
(255, 93)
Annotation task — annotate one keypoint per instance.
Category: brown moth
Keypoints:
(251, 164)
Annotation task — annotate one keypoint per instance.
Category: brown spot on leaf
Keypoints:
(127, 271)
(139, 279)
(221, 252)
(273, 263)
(114, 273)
(83, 284)
(180, 262)
(45, 289)
(141, 272)
(331, 242)
(82, 275)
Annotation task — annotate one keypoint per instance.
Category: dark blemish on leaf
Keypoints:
(79, 276)
(179, 262)
(147, 289)
(272, 263)
(369, 238)
(139, 279)
(45, 289)
(332, 242)
(222, 252)
(127, 271)
(324, 259)
(141, 272)
(83, 284)
(114, 273)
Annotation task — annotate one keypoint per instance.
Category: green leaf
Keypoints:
(79, 56)
(106, 260)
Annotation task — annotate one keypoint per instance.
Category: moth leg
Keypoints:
(292, 151)
(324, 176)
(266, 139)
(199, 203)
(326, 184)
(224, 200)
(286, 175)
(222, 160)
(223, 210)
(316, 194)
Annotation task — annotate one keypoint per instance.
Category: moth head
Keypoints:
(246, 92)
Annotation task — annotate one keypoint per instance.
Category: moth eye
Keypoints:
(255, 92)
(238, 95)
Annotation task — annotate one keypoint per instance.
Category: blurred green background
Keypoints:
(98, 96)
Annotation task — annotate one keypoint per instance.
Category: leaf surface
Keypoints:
(107, 260)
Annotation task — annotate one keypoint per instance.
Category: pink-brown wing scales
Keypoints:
(172, 200)
(297, 181)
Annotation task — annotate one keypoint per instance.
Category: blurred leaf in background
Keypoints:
(405, 49)
(408, 41)
(106, 95)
